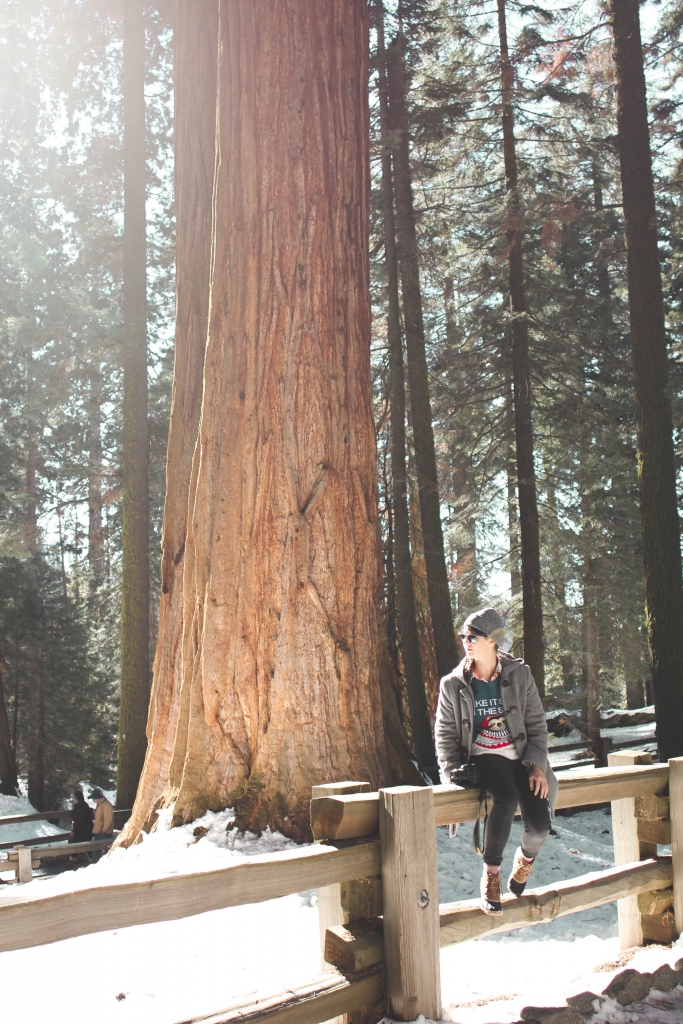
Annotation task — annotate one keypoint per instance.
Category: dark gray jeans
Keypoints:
(508, 784)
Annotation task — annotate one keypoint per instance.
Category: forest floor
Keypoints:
(163, 973)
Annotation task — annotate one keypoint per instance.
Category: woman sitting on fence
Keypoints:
(490, 713)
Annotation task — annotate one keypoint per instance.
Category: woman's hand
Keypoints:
(538, 783)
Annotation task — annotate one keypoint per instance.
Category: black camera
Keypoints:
(466, 776)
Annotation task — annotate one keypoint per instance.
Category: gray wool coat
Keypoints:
(523, 711)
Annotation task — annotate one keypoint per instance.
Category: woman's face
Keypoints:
(475, 645)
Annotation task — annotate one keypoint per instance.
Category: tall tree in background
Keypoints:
(654, 421)
(410, 644)
(8, 765)
(521, 379)
(135, 673)
(418, 375)
(281, 647)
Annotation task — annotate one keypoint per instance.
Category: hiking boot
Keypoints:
(521, 869)
(490, 893)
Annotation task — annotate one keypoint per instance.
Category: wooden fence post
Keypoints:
(330, 910)
(24, 871)
(411, 902)
(676, 814)
(628, 847)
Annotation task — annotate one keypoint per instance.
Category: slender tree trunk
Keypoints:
(654, 422)
(8, 767)
(281, 646)
(410, 645)
(391, 611)
(418, 379)
(513, 512)
(461, 486)
(521, 377)
(559, 589)
(590, 620)
(94, 439)
(135, 675)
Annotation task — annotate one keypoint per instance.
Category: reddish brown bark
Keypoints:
(274, 682)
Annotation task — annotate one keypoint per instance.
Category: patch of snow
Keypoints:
(11, 806)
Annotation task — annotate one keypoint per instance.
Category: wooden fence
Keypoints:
(374, 865)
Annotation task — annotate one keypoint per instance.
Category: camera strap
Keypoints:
(479, 831)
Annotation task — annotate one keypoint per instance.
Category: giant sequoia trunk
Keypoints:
(410, 643)
(267, 676)
(654, 423)
(521, 378)
(418, 379)
(135, 534)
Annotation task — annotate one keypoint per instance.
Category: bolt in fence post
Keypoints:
(411, 902)
(627, 848)
(676, 815)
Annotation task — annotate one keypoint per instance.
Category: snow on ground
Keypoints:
(164, 973)
(10, 806)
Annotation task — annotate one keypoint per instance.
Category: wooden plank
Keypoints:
(657, 833)
(465, 920)
(20, 819)
(328, 996)
(350, 817)
(676, 806)
(652, 808)
(628, 847)
(411, 902)
(120, 817)
(655, 902)
(36, 841)
(30, 921)
(354, 947)
(65, 849)
(362, 897)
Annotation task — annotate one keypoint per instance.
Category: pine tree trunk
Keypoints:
(410, 645)
(135, 535)
(654, 423)
(461, 485)
(280, 644)
(418, 379)
(521, 378)
(590, 624)
(94, 440)
(8, 767)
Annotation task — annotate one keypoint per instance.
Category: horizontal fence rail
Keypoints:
(325, 998)
(29, 921)
(353, 947)
(353, 817)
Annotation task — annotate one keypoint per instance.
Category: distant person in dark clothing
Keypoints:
(81, 823)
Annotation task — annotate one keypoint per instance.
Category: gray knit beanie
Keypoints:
(490, 623)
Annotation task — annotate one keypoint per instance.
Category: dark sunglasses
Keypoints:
(469, 637)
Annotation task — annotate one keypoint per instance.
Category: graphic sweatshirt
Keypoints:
(490, 733)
